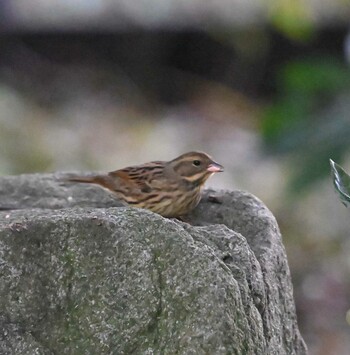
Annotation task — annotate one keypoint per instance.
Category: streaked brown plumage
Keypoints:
(171, 189)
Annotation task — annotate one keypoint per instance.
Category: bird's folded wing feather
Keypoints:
(143, 178)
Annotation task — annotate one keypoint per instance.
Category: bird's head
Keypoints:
(195, 167)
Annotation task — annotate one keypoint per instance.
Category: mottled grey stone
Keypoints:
(79, 276)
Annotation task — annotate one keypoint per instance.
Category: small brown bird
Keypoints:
(171, 188)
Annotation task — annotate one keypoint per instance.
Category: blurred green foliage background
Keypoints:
(309, 118)
(264, 87)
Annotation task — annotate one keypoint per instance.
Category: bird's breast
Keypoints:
(171, 202)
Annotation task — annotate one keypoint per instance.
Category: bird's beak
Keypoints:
(215, 168)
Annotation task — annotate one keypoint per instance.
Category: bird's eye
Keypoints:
(196, 162)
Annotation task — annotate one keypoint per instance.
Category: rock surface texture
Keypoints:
(82, 275)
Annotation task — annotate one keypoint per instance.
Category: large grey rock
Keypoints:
(125, 281)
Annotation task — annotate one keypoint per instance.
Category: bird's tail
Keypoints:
(85, 179)
(102, 180)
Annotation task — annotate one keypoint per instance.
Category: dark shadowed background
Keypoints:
(262, 86)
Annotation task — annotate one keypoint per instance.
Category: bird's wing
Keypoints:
(143, 178)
